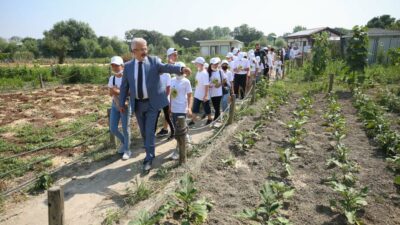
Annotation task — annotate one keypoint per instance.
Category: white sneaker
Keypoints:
(127, 155)
(175, 155)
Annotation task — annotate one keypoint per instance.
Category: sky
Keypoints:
(29, 18)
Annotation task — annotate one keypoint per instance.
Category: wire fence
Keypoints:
(91, 126)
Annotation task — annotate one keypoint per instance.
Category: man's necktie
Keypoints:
(140, 81)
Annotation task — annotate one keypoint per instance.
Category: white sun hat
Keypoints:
(215, 60)
(235, 51)
(229, 55)
(117, 60)
(199, 60)
(171, 51)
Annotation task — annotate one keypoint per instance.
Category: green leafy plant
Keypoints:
(320, 55)
(349, 202)
(286, 156)
(273, 194)
(44, 182)
(192, 210)
(139, 193)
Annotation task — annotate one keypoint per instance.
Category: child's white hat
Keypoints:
(117, 60)
(199, 60)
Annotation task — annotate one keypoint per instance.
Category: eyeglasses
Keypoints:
(141, 49)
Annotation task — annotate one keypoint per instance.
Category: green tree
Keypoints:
(384, 22)
(31, 45)
(299, 28)
(184, 38)
(320, 54)
(247, 34)
(64, 37)
(357, 52)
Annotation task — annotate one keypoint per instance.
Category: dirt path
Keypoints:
(94, 190)
(311, 201)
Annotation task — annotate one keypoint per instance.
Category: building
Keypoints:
(380, 41)
(304, 39)
(218, 47)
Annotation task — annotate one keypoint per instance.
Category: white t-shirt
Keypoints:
(201, 81)
(216, 79)
(241, 65)
(118, 81)
(179, 90)
(270, 57)
(229, 76)
(253, 66)
(165, 79)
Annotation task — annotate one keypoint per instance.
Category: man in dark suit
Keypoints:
(142, 79)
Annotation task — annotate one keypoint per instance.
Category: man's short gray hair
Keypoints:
(137, 40)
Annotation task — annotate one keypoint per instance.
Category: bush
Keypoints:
(320, 55)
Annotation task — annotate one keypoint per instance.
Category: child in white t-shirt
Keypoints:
(181, 101)
(278, 68)
(201, 93)
(114, 83)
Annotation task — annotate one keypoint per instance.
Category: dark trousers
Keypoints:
(216, 101)
(239, 82)
(167, 117)
(146, 117)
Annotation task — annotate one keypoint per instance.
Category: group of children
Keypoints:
(214, 84)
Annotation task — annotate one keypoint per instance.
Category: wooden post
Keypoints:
(330, 87)
(253, 92)
(232, 109)
(41, 81)
(112, 137)
(180, 134)
(55, 200)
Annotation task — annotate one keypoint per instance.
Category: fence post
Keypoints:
(253, 92)
(180, 134)
(55, 200)
(232, 109)
(41, 81)
(330, 87)
(112, 137)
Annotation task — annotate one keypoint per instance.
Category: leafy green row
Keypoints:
(350, 199)
(378, 128)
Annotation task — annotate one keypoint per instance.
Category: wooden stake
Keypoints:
(41, 81)
(180, 134)
(331, 78)
(253, 92)
(55, 197)
(232, 109)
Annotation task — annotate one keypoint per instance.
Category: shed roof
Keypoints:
(218, 41)
(309, 32)
(377, 32)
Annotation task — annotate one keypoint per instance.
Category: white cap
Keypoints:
(235, 51)
(258, 59)
(243, 53)
(171, 51)
(215, 60)
(265, 48)
(224, 62)
(199, 60)
(251, 55)
(117, 60)
(206, 65)
(181, 64)
(251, 52)
(229, 55)
(269, 46)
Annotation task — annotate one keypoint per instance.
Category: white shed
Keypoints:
(218, 47)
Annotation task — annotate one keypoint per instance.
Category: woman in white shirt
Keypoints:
(270, 58)
(217, 81)
(114, 83)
